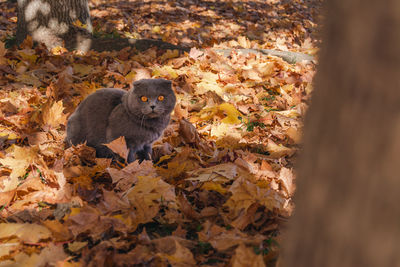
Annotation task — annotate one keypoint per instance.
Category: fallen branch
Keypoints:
(108, 44)
(288, 56)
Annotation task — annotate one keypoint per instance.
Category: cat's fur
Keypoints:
(110, 113)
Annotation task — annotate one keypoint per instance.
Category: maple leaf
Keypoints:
(147, 195)
(30, 233)
(287, 178)
(6, 197)
(181, 257)
(165, 71)
(222, 239)
(19, 160)
(82, 69)
(245, 193)
(52, 114)
(245, 256)
(195, 53)
(118, 146)
(219, 173)
(50, 255)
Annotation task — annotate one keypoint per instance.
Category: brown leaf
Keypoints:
(3, 52)
(287, 179)
(6, 197)
(118, 146)
(243, 220)
(186, 208)
(245, 257)
(188, 132)
(29, 233)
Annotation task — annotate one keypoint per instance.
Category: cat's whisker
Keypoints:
(141, 123)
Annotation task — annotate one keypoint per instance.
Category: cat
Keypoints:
(140, 115)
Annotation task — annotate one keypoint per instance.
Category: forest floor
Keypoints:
(221, 181)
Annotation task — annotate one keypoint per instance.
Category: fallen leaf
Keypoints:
(26, 232)
(53, 115)
(118, 146)
(245, 257)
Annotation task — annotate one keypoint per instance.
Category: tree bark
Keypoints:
(54, 22)
(347, 202)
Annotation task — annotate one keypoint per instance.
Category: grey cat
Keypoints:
(140, 115)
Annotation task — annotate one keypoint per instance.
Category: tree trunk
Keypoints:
(347, 202)
(54, 23)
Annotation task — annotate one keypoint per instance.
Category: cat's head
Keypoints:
(151, 98)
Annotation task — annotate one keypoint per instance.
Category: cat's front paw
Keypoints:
(144, 155)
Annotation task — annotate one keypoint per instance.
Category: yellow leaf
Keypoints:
(58, 50)
(165, 71)
(127, 220)
(54, 116)
(156, 29)
(76, 246)
(214, 186)
(74, 211)
(82, 69)
(203, 87)
(232, 113)
(233, 116)
(28, 55)
(130, 76)
(224, 130)
(287, 87)
(151, 190)
(118, 146)
(20, 160)
(79, 24)
(7, 132)
(170, 54)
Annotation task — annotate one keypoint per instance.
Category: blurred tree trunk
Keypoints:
(54, 23)
(347, 202)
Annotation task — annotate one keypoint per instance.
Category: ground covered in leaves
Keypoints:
(221, 180)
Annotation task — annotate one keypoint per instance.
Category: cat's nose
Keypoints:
(152, 107)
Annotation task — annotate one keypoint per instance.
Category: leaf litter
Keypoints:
(221, 180)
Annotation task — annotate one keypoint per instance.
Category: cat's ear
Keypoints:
(137, 83)
(168, 83)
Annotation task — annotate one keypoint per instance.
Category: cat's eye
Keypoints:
(160, 98)
(144, 98)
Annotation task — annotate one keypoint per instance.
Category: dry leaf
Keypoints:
(53, 115)
(118, 146)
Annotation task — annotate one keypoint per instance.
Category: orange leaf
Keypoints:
(119, 146)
